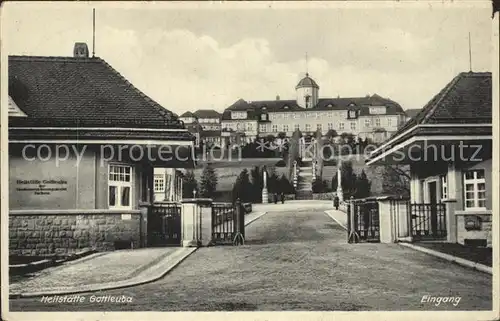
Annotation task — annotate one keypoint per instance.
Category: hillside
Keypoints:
(228, 171)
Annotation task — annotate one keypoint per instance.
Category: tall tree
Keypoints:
(189, 184)
(208, 184)
(363, 186)
(241, 187)
(257, 184)
(396, 180)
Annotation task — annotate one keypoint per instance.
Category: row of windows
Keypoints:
(306, 127)
(120, 184)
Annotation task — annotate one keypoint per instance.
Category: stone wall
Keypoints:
(483, 233)
(32, 233)
(323, 196)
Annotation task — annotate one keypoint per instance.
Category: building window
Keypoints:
(249, 127)
(262, 128)
(159, 183)
(120, 187)
(286, 116)
(319, 127)
(474, 190)
(330, 114)
(367, 122)
(308, 127)
(353, 125)
(377, 122)
(296, 115)
(330, 126)
(285, 128)
(263, 117)
(444, 187)
(297, 127)
(275, 128)
(341, 126)
(389, 122)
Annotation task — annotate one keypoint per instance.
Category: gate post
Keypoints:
(191, 222)
(241, 217)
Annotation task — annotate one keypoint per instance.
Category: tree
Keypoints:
(241, 187)
(281, 135)
(257, 184)
(396, 180)
(320, 186)
(189, 184)
(331, 133)
(363, 186)
(285, 186)
(272, 181)
(208, 183)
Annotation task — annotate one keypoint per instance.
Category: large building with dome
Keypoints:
(371, 116)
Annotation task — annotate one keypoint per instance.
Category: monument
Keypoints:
(340, 194)
(264, 188)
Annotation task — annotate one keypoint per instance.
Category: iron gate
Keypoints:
(428, 221)
(164, 224)
(228, 223)
(363, 221)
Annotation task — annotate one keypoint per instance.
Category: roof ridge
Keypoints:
(161, 110)
(441, 95)
(53, 58)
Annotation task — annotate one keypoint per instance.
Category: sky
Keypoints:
(207, 56)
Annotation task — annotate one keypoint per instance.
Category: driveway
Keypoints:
(299, 260)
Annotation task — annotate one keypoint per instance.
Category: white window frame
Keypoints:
(296, 126)
(308, 127)
(353, 125)
(159, 182)
(330, 126)
(389, 122)
(378, 122)
(341, 126)
(120, 184)
(368, 123)
(262, 128)
(285, 128)
(474, 181)
(274, 128)
(319, 126)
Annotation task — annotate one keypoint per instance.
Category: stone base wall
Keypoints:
(46, 234)
(483, 233)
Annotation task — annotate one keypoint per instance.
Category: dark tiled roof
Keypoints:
(361, 104)
(188, 114)
(464, 100)
(412, 112)
(467, 99)
(86, 92)
(207, 113)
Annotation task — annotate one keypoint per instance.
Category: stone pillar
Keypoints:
(340, 193)
(416, 192)
(454, 198)
(386, 221)
(191, 217)
(144, 207)
(264, 188)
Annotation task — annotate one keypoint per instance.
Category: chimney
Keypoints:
(277, 97)
(81, 50)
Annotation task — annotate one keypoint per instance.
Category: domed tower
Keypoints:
(307, 92)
